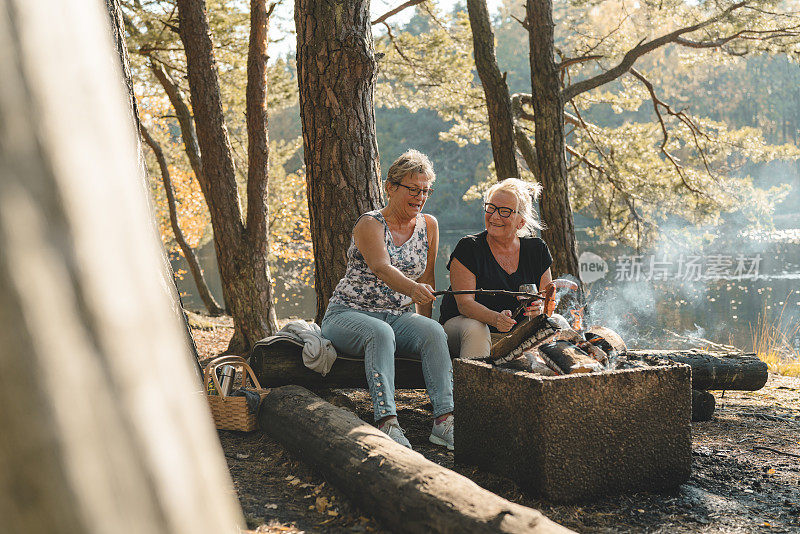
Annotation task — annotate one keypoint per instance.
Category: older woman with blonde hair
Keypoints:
(504, 256)
(390, 266)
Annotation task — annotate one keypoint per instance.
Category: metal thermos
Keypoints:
(227, 373)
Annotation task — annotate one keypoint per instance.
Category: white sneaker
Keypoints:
(392, 429)
(442, 433)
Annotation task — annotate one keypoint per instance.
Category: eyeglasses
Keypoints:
(502, 212)
(415, 191)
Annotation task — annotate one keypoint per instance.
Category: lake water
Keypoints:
(718, 293)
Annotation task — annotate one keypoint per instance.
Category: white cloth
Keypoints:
(318, 352)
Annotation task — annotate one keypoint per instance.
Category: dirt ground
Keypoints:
(745, 471)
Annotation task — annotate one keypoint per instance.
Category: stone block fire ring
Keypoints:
(576, 437)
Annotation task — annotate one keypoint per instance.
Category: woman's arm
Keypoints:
(428, 276)
(368, 237)
(462, 279)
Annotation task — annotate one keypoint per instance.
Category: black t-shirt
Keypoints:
(474, 253)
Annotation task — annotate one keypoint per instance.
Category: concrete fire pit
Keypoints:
(576, 437)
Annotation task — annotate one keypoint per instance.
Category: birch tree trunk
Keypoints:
(103, 427)
(336, 73)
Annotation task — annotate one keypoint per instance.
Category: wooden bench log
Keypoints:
(716, 369)
(281, 363)
(399, 487)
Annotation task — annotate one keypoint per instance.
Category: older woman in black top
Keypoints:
(504, 256)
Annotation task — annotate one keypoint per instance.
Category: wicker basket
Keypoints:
(231, 413)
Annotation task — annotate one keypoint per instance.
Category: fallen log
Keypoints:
(716, 369)
(399, 487)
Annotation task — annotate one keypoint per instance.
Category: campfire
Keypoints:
(551, 346)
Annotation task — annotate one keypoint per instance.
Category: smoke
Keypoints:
(708, 282)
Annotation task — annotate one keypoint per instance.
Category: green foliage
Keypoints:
(152, 37)
(631, 169)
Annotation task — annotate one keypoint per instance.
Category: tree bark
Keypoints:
(548, 109)
(339, 142)
(498, 101)
(188, 252)
(241, 250)
(102, 425)
(401, 488)
(717, 370)
(168, 281)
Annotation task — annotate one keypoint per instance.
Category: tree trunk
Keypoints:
(241, 250)
(188, 252)
(548, 109)
(498, 101)
(339, 142)
(102, 426)
(401, 488)
(168, 281)
(717, 370)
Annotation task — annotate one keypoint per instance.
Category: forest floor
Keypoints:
(745, 470)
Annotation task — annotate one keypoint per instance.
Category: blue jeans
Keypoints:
(376, 336)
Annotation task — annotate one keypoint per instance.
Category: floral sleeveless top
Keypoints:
(362, 290)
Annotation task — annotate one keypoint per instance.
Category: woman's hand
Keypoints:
(422, 294)
(503, 321)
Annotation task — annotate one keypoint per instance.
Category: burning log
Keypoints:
(568, 358)
(527, 336)
(402, 489)
(715, 370)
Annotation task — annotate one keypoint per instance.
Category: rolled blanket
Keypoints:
(318, 352)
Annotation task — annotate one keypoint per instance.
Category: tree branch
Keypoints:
(183, 114)
(396, 10)
(657, 104)
(638, 51)
(394, 45)
(188, 252)
(518, 100)
(575, 60)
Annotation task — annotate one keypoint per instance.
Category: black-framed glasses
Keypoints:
(415, 191)
(503, 212)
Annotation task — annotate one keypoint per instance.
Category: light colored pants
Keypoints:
(467, 338)
(376, 336)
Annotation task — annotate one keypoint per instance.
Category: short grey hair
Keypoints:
(410, 162)
(527, 193)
